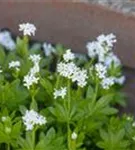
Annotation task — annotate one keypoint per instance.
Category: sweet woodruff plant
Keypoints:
(52, 98)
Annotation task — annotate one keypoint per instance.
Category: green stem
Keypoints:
(68, 122)
(57, 81)
(96, 90)
(33, 139)
(69, 97)
(68, 136)
(88, 65)
(8, 146)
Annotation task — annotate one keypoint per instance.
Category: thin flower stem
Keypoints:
(96, 90)
(33, 139)
(57, 81)
(8, 146)
(68, 122)
(68, 138)
(69, 96)
(88, 65)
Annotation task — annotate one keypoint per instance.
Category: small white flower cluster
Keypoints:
(112, 58)
(94, 49)
(48, 49)
(66, 69)
(107, 82)
(7, 41)
(80, 76)
(14, 64)
(32, 118)
(109, 39)
(60, 93)
(71, 71)
(31, 77)
(74, 136)
(68, 56)
(27, 28)
(101, 70)
(102, 49)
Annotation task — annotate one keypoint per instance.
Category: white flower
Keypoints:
(35, 69)
(48, 49)
(29, 80)
(66, 69)
(60, 93)
(27, 28)
(31, 77)
(35, 58)
(71, 71)
(94, 49)
(80, 77)
(107, 82)
(120, 80)
(68, 55)
(32, 118)
(14, 64)
(109, 39)
(7, 41)
(4, 118)
(74, 136)
(112, 58)
(101, 70)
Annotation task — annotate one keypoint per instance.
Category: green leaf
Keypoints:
(34, 105)
(2, 55)
(90, 92)
(22, 47)
(47, 86)
(16, 130)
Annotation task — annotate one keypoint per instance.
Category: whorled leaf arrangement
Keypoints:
(51, 98)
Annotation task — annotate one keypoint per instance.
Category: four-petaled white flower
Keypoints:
(68, 55)
(29, 80)
(32, 118)
(35, 58)
(15, 64)
(60, 93)
(74, 136)
(27, 28)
